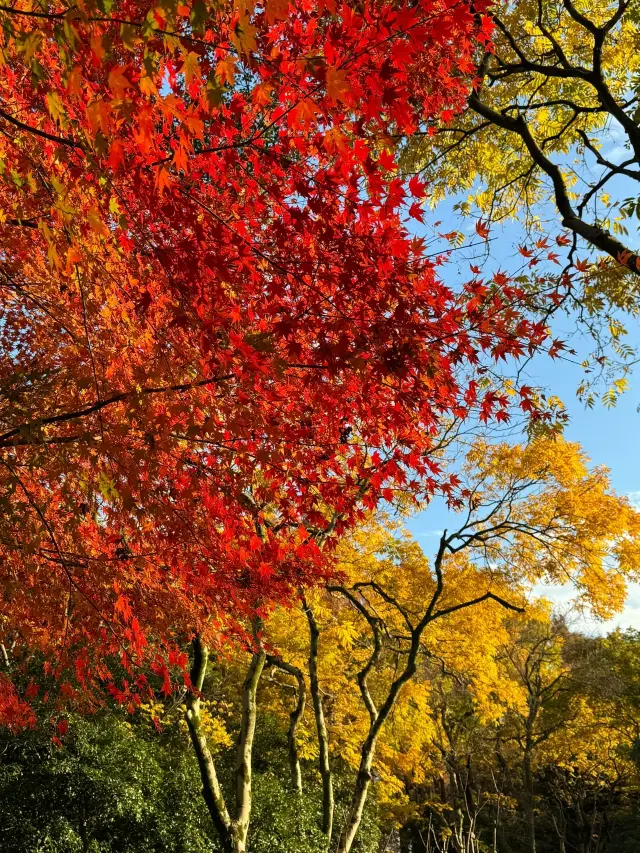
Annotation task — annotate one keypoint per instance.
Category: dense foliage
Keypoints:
(214, 315)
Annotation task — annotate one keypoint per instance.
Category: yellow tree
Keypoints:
(550, 136)
(535, 661)
(560, 75)
(565, 733)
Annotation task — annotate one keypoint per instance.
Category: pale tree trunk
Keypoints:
(232, 831)
(245, 750)
(211, 790)
(321, 726)
(377, 717)
(294, 761)
(359, 797)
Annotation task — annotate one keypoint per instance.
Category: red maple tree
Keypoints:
(221, 343)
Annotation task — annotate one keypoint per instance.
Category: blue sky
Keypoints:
(610, 436)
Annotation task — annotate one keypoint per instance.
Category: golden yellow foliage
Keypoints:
(562, 522)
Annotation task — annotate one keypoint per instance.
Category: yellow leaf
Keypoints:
(56, 108)
(334, 140)
(244, 38)
(95, 221)
(74, 81)
(225, 70)
(130, 36)
(305, 111)
(118, 83)
(30, 45)
(191, 67)
(262, 94)
(147, 86)
(337, 84)
(195, 125)
(45, 230)
(52, 255)
(96, 47)
(98, 115)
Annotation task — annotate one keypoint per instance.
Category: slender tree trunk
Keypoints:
(379, 716)
(245, 751)
(232, 832)
(321, 726)
(294, 764)
(529, 814)
(294, 718)
(360, 791)
(211, 790)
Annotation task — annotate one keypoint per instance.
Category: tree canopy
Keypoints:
(220, 340)
(557, 79)
(549, 137)
(232, 360)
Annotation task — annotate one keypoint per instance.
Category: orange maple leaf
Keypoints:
(337, 84)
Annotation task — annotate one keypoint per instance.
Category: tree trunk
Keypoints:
(245, 751)
(359, 798)
(294, 717)
(529, 814)
(232, 832)
(321, 726)
(211, 790)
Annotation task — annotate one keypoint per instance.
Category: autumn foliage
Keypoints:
(220, 343)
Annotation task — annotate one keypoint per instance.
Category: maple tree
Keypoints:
(220, 342)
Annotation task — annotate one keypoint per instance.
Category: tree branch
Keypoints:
(363, 674)
(60, 140)
(109, 401)
(594, 235)
(488, 596)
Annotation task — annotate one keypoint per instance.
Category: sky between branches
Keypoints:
(610, 436)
